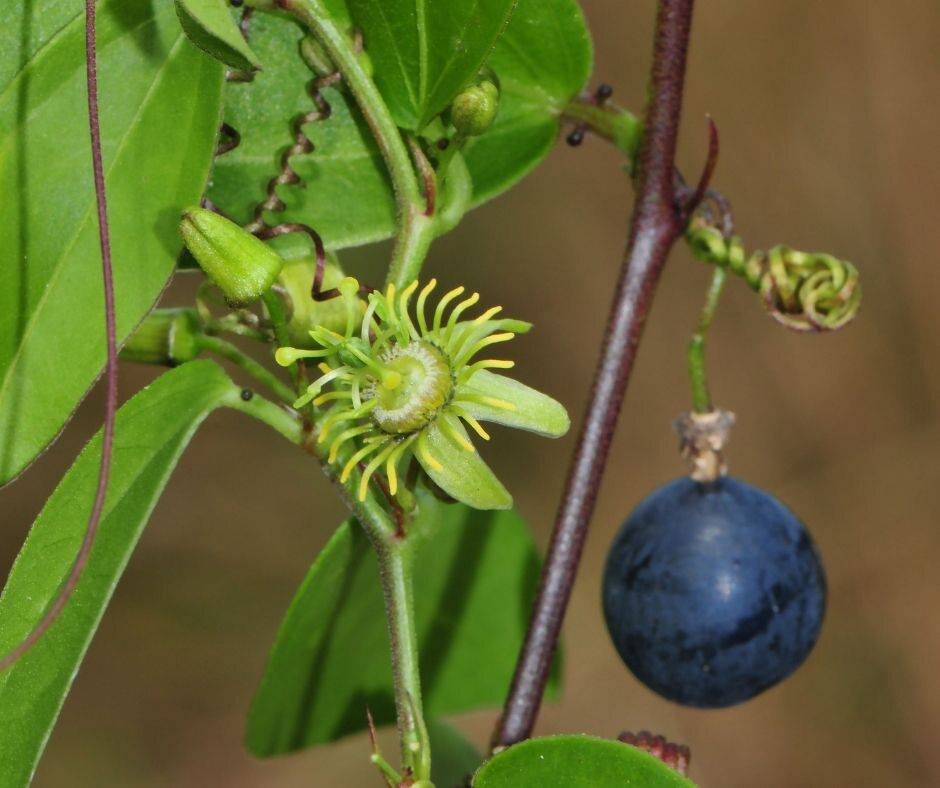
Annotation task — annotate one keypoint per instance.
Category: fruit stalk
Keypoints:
(655, 227)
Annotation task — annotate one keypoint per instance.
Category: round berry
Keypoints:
(713, 592)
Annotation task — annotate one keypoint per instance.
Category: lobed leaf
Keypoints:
(152, 430)
(160, 104)
(475, 575)
(576, 762)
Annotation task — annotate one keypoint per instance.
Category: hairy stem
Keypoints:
(415, 230)
(285, 422)
(395, 566)
(618, 126)
(258, 371)
(654, 228)
(701, 396)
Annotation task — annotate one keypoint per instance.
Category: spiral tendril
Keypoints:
(230, 138)
(804, 291)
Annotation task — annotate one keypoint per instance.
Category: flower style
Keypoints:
(393, 388)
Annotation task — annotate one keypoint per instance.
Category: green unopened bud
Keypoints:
(166, 336)
(474, 109)
(296, 278)
(243, 267)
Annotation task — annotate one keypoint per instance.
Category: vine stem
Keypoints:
(258, 371)
(698, 375)
(110, 407)
(654, 228)
(416, 229)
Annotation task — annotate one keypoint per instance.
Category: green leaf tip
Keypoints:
(210, 26)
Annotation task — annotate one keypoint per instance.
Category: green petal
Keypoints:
(460, 473)
(534, 411)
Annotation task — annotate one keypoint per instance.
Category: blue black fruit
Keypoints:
(713, 592)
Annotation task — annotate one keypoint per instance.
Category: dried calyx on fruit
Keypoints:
(393, 387)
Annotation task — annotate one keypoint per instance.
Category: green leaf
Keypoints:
(533, 411)
(454, 759)
(152, 430)
(576, 762)
(210, 26)
(543, 60)
(424, 51)
(460, 473)
(160, 103)
(474, 580)
(344, 192)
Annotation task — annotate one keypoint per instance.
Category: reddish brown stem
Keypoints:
(110, 408)
(654, 228)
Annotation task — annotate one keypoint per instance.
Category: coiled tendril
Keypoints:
(805, 291)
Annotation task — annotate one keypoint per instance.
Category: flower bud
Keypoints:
(166, 336)
(243, 267)
(297, 278)
(474, 109)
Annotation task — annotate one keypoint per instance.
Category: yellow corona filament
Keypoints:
(419, 307)
(367, 472)
(331, 396)
(344, 436)
(344, 415)
(391, 464)
(425, 454)
(364, 452)
(285, 356)
(442, 305)
(390, 306)
(403, 300)
(489, 313)
(489, 363)
(454, 434)
(482, 399)
(474, 424)
(457, 311)
(492, 339)
(367, 318)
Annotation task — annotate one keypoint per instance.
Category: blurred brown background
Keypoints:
(829, 116)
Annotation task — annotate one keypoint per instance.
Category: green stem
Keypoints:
(396, 559)
(260, 373)
(701, 397)
(276, 417)
(620, 127)
(415, 231)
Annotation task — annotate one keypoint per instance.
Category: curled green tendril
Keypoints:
(805, 291)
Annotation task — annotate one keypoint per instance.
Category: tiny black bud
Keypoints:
(604, 91)
(247, 394)
(443, 143)
(237, 3)
(575, 138)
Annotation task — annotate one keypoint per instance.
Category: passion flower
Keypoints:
(393, 387)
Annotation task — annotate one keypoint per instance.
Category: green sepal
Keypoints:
(462, 474)
(210, 26)
(534, 411)
(296, 278)
(167, 337)
(243, 267)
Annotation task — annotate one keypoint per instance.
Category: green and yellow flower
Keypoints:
(395, 387)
